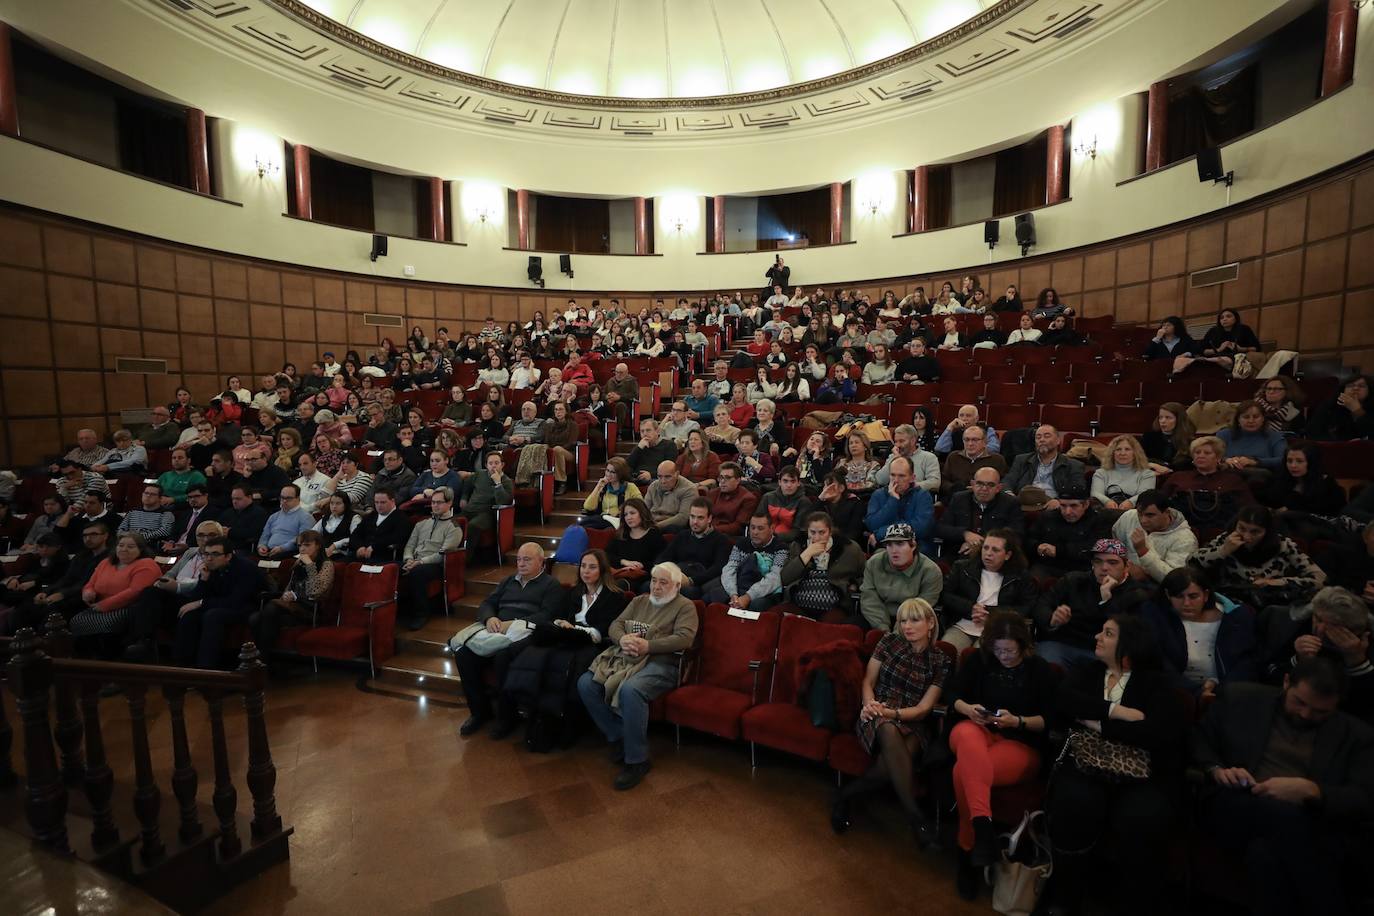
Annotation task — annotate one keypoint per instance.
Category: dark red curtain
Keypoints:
(801, 214)
(341, 193)
(940, 196)
(152, 141)
(1202, 117)
(572, 224)
(1019, 177)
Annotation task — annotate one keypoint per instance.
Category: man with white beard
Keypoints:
(626, 678)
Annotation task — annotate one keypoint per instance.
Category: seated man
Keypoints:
(175, 481)
(422, 561)
(158, 604)
(731, 502)
(1157, 537)
(906, 444)
(701, 551)
(900, 502)
(127, 456)
(720, 386)
(627, 677)
(221, 478)
(311, 483)
(1290, 787)
(91, 509)
(967, 416)
(892, 575)
(1071, 614)
(151, 520)
(484, 492)
(266, 480)
(88, 450)
(382, 535)
(226, 595)
(651, 451)
(961, 465)
(278, 538)
(162, 433)
(701, 403)
(845, 507)
(677, 425)
(787, 506)
(64, 596)
(752, 577)
(394, 474)
(1045, 469)
(244, 520)
(669, 496)
(626, 389)
(76, 480)
(1336, 626)
(1062, 539)
(531, 596)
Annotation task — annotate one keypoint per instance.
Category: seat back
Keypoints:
(796, 635)
(367, 584)
(277, 572)
(728, 644)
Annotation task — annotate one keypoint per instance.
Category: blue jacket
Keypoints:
(1237, 651)
(1267, 446)
(916, 508)
(427, 481)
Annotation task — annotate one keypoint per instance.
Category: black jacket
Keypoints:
(539, 600)
(220, 488)
(962, 585)
(268, 483)
(78, 573)
(244, 527)
(387, 540)
(1235, 733)
(963, 514)
(1163, 732)
(1082, 594)
(1068, 473)
(604, 610)
(701, 559)
(235, 586)
(1073, 543)
(1238, 655)
(848, 515)
(211, 513)
(1037, 698)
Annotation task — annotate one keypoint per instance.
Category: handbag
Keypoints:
(1106, 759)
(477, 639)
(1027, 863)
(820, 702)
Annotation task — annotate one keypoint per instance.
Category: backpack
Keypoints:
(571, 545)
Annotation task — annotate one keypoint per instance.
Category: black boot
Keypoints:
(924, 831)
(986, 847)
(966, 878)
(839, 812)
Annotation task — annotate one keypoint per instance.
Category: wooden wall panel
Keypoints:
(1321, 323)
(1282, 276)
(264, 285)
(1324, 267)
(38, 399)
(23, 293)
(194, 275)
(1245, 236)
(1357, 328)
(1099, 270)
(1360, 263)
(1328, 211)
(71, 298)
(1066, 276)
(21, 242)
(1205, 246)
(67, 251)
(156, 268)
(230, 279)
(157, 309)
(1133, 263)
(1169, 255)
(196, 314)
(1284, 224)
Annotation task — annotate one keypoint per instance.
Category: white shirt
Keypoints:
(989, 588)
(312, 489)
(520, 377)
(331, 369)
(1201, 639)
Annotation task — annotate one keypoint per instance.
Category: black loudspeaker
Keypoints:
(1025, 230)
(1209, 165)
(992, 232)
(378, 247)
(536, 269)
(565, 263)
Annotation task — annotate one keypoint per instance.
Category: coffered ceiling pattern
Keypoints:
(645, 68)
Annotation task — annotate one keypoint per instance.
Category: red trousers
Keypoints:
(983, 759)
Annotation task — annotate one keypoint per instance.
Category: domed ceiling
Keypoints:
(639, 49)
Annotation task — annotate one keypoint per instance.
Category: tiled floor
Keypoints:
(394, 814)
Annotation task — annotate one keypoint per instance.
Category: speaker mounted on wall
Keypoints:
(1209, 167)
(1025, 231)
(535, 271)
(565, 264)
(378, 247)
(992, 233)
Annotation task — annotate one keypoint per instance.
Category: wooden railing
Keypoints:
(58, 702)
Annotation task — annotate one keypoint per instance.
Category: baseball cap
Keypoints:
(898, 533)
(1109, 546)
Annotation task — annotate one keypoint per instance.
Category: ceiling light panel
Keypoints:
(639, 60)
(398, 25)
(815, 47)
(757, 58)
(524, 42)
(462, 33)
(932, 19)
(875, 30)
(695, 54)
(582, 47)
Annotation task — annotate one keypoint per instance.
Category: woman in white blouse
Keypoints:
(1027, 333)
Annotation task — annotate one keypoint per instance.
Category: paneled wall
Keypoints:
(73, 297)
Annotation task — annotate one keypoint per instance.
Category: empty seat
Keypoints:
(1012, 416)
(729, 672)
(367, 618)
(1058, 392)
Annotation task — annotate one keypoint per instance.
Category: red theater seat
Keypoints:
(366, 621)
(729, 673)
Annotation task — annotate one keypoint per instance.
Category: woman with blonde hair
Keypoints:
(902, 684)
(603, 505)
(289, 447)
(1125, 474)
(859, 467)
(723, 433)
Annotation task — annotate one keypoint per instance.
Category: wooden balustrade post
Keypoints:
(147, 797)
(226, 797)
(99, 777)
(262, 774)
(68, 730)
(7, 774)
(184, 778)
(30, 677)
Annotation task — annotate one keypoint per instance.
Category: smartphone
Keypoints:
(983, 711)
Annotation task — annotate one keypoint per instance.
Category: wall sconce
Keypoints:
(266, 167)
(1086, 149)
(482, 213)
(872, 205)
(678, 224)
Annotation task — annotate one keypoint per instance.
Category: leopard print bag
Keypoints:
(1108, 760)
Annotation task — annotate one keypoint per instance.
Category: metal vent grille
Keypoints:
(1075, 26)
(1214, 275)
(374, 320)
(141, 366)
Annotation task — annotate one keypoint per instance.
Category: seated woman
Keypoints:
(1059, 334)
(337, 525)
(771, 432)
(823, 570)
(494, 373)
(1349, 415)
(1252, 562)
(353, 412)
(902, 684)
(1171, 341)
(837, 387)
(760, 388)
(1302, 486)
(1116, 486)
(249, 446)
(740, 407)
(117, 581)
(327, 454)
(1251, 446)
(1210, 494)
(1025, 335)
(1049, 305)
(327, 423)
(813, 365)
(756, 466)
(459, 408)
(311, 578)
(723, 433)
(403, 379)
(950, 338)
(491, 426)
(288, 449)
(1205, 638)
(881, 370)
(814, 462)
(1168, 441)
(988, 337)
(976, 587)
(601, 509)
(415, 422)
(859, 467)
(542, 678)
(794, 387)
(438, 475)
(1003, 696)
(1223, 341)
(637, 544)
(1280, 398)
(697, 462)
(1121, 713)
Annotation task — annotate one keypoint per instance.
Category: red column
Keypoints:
(198, 150)
(301, 158)
(436, 209)
(718, 223)
(9, 102)
(836, 212)
(1054, 166)
(1156, 125)
(522, 219)
(920, 199)
(641, 226)
(1338, 62)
